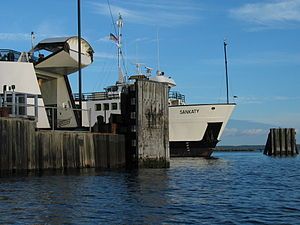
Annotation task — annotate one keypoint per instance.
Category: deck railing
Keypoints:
(176, 95)
(23, 105)
(96, 96)
(9, 55)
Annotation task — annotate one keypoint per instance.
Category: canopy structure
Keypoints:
(164, 79)
(60, 55)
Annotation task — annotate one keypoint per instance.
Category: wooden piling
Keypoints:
(145, 109)
(281, 142)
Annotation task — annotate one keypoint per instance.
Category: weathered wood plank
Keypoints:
(152, 124)
(23, 148)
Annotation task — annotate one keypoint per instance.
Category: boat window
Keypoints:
(132, 101)
(112, 89)
(114, 106)
(133, 143)
(98, 107)
(9, 55)
(132, 115)
(133, 128)
(106, 106)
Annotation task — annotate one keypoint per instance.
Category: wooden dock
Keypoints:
(143, 142)
(24, 148)
(281, 142)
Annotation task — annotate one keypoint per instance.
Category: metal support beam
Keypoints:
(79, 64)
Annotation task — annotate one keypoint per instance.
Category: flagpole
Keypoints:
(79, 65)
(120, 25)
(32, 38)
(225, 44)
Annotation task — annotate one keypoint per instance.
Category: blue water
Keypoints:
(235, 188)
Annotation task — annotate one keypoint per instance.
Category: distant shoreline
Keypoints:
(242, 148)
(237, 150)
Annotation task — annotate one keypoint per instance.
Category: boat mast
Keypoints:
(120, 25)
(157, 40)
(226, 72)
(32, 39)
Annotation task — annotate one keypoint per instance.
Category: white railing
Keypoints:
(18, 106)
(60, 123)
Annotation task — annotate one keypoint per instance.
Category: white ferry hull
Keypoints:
(195, 130)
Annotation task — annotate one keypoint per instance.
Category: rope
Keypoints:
(112, 18)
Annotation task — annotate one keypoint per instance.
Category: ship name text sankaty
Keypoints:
(189, 111)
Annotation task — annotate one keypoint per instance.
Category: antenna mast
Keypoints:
(158, 60)
(119, 44)
(32, 39)
(226, 72)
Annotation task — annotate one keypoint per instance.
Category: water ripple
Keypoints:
(234, 188)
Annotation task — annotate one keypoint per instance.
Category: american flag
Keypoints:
(113, 37)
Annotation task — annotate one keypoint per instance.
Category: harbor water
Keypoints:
(233, 188)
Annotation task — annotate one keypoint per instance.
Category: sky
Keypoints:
(263, 50)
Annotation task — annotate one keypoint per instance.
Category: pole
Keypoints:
(157, 40)
(225, 44)
(79, 65)
(32, 39)
(120, 25)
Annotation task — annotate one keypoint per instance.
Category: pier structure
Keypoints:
(145, 112)
(35, 106)
(281, 142)
(142, 142)
(22, 148)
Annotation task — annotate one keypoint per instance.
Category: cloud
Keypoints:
(244, 132)
(253, 132)
(257, 59)
(276, 14)
(104, 39)
(265, 99)
(103, 55)
(162, 13)
(14, 36)
(166, 4)
(43, 30)
(268, 58)
(230, 132)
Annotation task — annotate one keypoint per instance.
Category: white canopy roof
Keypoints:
(63, 57)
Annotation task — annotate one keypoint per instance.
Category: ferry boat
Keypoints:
(194, 129)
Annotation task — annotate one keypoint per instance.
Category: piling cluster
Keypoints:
(281, 142)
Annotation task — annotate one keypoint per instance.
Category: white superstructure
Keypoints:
(43, 71)
(23, 77)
